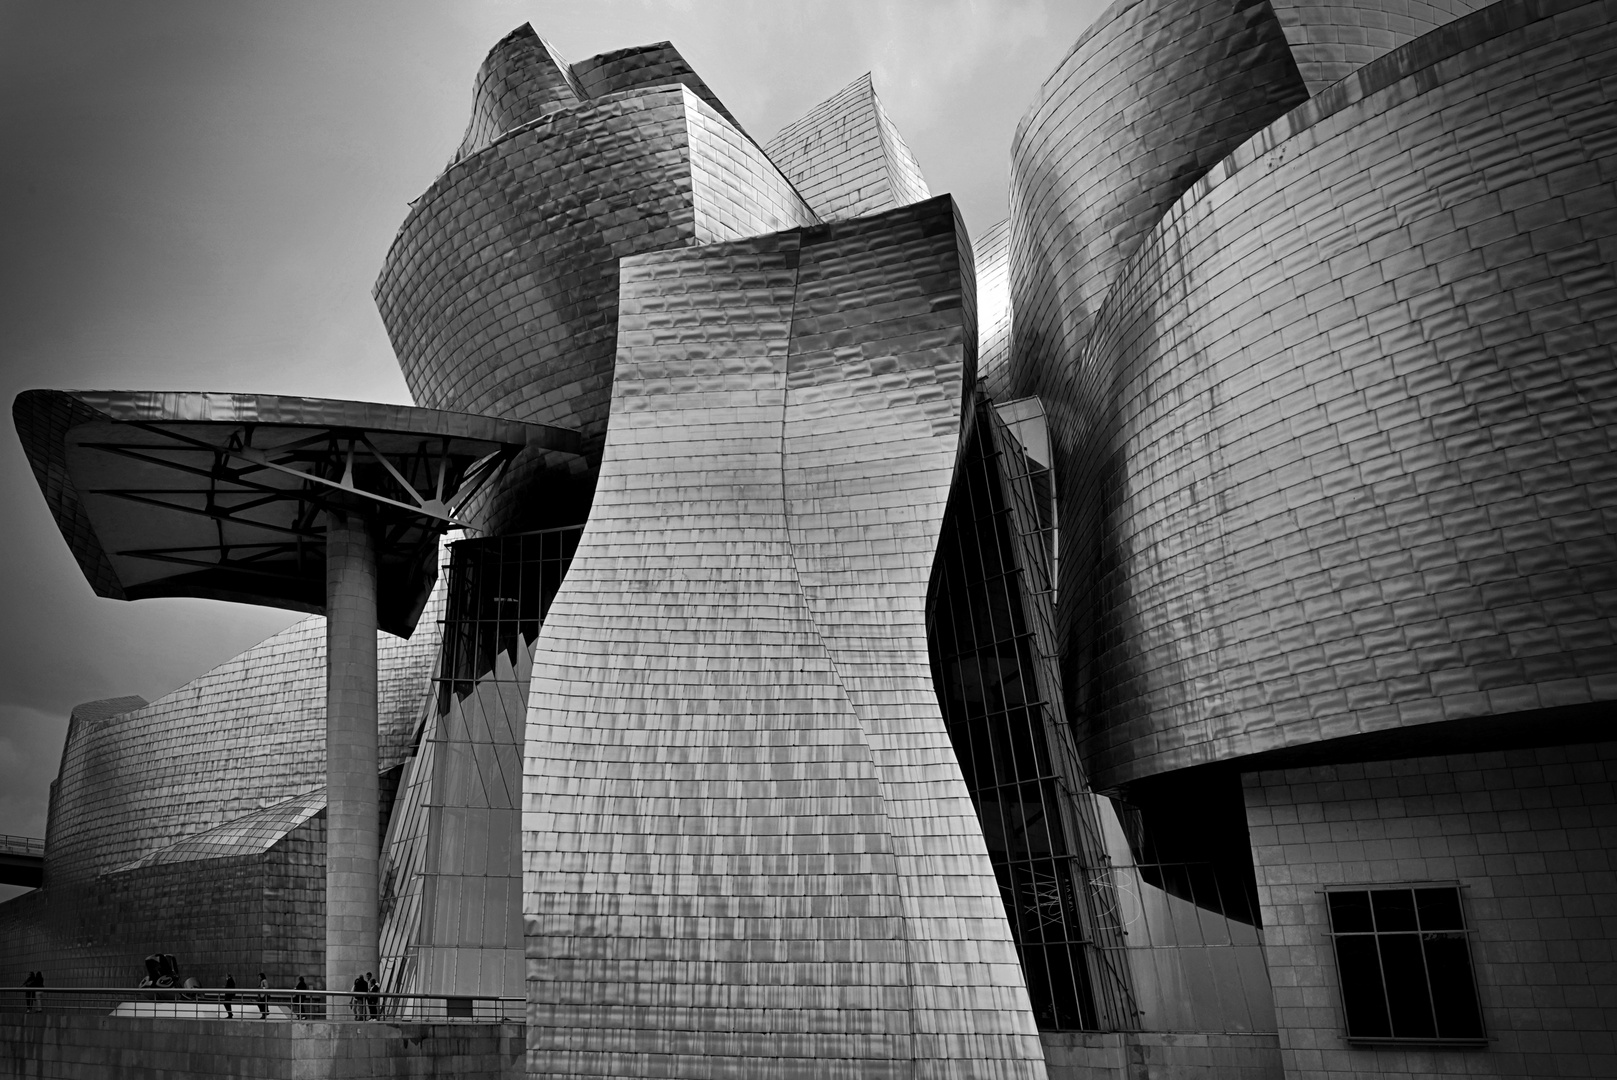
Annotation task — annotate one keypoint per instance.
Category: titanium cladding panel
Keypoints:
(748, 847)
(1366, 390)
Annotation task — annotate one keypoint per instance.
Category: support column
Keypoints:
(352, 844)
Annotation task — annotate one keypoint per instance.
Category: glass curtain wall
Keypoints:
(993, 656)
(452, 875)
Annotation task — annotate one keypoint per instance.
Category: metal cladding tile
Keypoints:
(748, 714)
(1411, 509)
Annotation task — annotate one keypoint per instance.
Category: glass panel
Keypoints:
(1454, 991)
(1361, 987)
(1408, 998)
(1394, 909)
(1350, 912)
(1439, 909)
(987, 670)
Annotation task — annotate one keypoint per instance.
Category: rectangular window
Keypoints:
(1405, 964)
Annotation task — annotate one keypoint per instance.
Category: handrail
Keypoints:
(251, 1002)
(21, 845)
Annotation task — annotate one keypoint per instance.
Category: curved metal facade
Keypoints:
(500, 290)
(1149, 98)
(749, 849)
(521, 80)
(1333, 40)
(847, 158)
(1347, 415)
(545, 213)
(248, 733)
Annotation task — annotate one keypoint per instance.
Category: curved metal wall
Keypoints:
(749, 848)
(1366, 376)
(1152, 95)
(500, 292)
(521, 79)
(1333, 40)
(248, 733)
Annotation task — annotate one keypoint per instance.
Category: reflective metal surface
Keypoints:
(748, 846)
(846, 158)
(500, 291)
(1338, 429)
(1331, 41)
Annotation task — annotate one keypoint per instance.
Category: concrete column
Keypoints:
(352, 845)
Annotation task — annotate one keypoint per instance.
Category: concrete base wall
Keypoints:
(1146, 1055)
(87, 1046)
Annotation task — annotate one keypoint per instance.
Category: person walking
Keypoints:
(301, 1000)
(35, 978)
(374, 996)
(263, 996)
(360, 986)
(230, 984)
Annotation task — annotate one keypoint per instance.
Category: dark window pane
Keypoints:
(1407, 996)
(1064, 967)
(1454, 990)
(1361, 987)
(1399, 983)
(1350, 912)
(1038, 987)
(1439, 909)
(1394, 908)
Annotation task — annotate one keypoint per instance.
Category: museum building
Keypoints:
(1172, 636)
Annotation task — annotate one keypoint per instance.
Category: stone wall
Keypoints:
(85, 1046)
(1149, 1055)
(1528, 835)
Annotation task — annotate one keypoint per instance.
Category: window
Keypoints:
(1405, 964)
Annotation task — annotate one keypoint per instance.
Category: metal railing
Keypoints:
(22, 845)
(251, 1003)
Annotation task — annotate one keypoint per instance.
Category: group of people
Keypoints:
(367, 997)
(303, 1004)
(34, 979)
(162, 972)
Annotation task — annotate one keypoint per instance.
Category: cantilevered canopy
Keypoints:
(221, 495)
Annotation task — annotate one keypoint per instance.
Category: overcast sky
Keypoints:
(198, 196)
